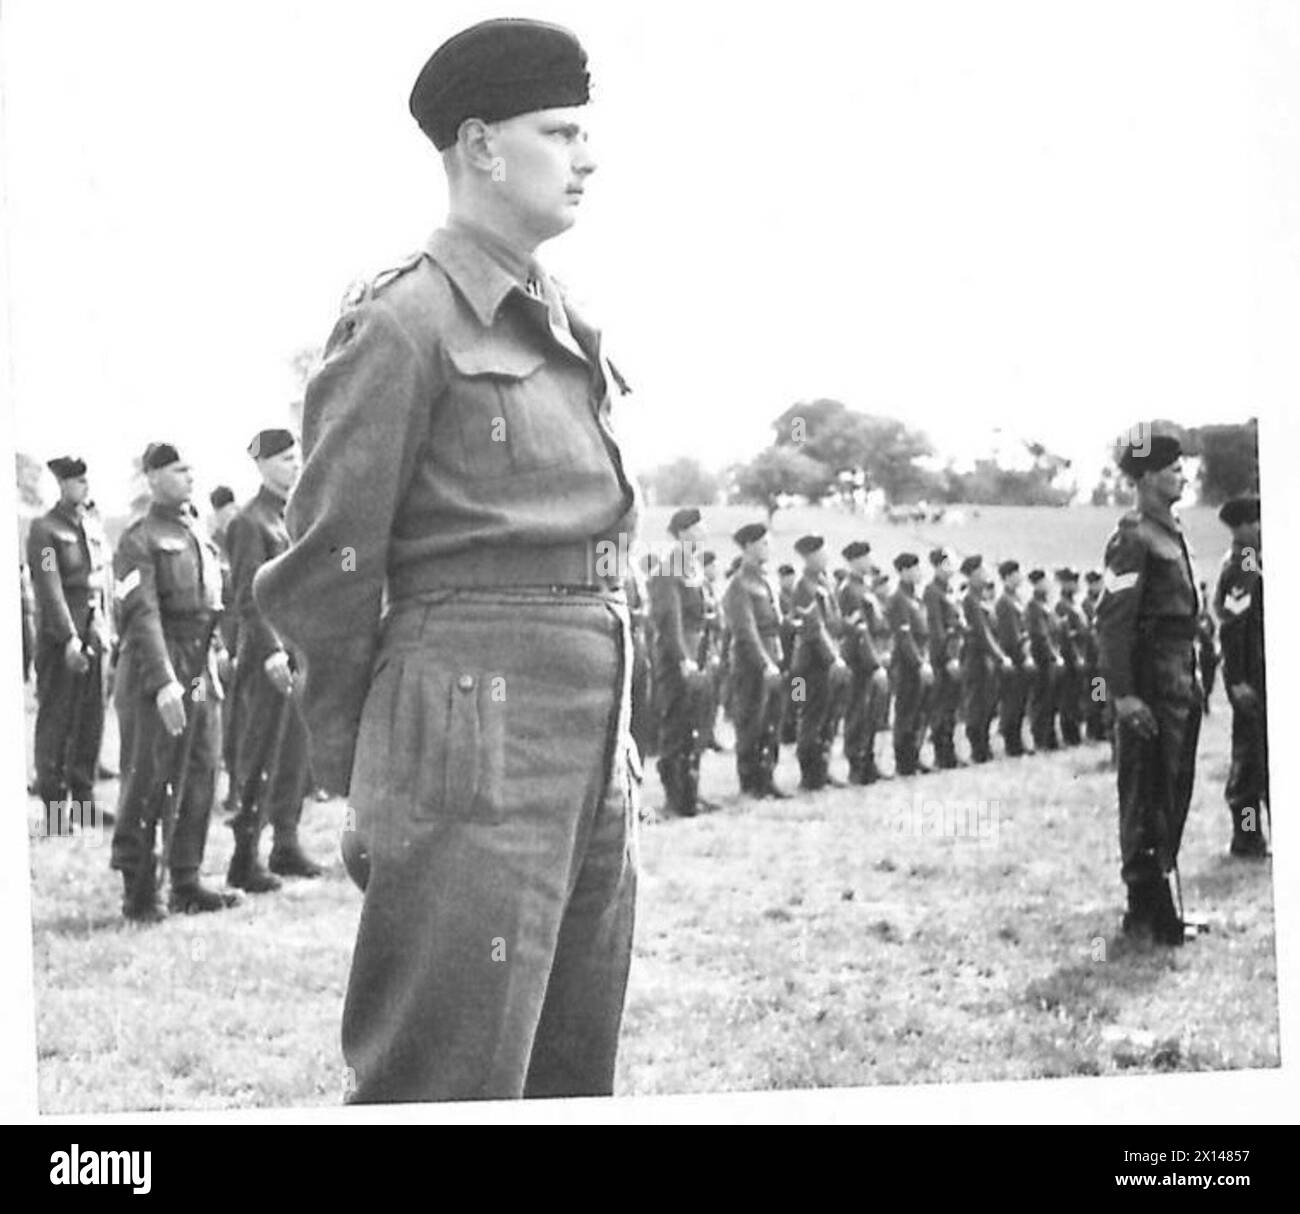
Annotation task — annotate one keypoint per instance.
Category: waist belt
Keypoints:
(1172, 627)
(564, 565)
(186, 627)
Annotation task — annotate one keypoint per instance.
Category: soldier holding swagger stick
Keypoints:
(460, 463)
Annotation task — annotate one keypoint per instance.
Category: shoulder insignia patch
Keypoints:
(1114, 583)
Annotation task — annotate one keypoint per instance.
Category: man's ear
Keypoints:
(474, 141)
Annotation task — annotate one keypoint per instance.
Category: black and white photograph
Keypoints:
(648, 555)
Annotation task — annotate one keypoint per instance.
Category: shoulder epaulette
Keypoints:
(364, 289)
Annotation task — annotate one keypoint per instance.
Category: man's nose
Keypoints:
(584, 161)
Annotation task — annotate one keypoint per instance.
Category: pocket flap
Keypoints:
(499, 358)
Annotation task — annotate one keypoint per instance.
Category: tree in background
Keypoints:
(775, 473)
(840, 439)
(683, 482)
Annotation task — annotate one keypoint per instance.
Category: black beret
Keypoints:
(786, 571)
(808, 543)
(687, 516)
(159, 455)
(65, 467)
(971, 563)
(1238, 510)
(1092, 577)
(905, 560)
(851, 552)
(939, 555)
(749, 533)
(267, 443)
(1148, 447)
(222, 495)
(1036, 575)
(1007, 568)
(496, 70)
(1066, 574)
(708, 557)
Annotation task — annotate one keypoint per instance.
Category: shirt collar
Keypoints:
(483, 266)
(269, 497)
(179, 513)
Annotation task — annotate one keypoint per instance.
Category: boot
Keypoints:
(289, 860)
(190, 897)
(246, 871)
(140, 901)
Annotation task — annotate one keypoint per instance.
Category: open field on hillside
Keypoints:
(956, 926)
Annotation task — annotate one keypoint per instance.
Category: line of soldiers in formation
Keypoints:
(167, 625)
(822, 652)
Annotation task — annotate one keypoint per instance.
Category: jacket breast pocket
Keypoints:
(431, 743)
(177, 576)
(510, 412)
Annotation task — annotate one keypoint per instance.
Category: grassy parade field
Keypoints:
(957, 926)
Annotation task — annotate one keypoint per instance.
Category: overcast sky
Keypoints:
(1052, 218)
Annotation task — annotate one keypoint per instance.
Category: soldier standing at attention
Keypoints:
(272, 771)
(911, 674)
(1014, 642)
(1146, 624)
(168, 600)
(944, 620)
(1072, 630)
(678, 607)
(66, 555)
(867, 673)
(461, 469)
(1239, 603)
(786, 579)
(1094, 702)
(1040, 624)
(757, 686)
(983, 661)
(817, 662)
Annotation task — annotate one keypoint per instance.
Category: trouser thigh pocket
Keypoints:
(461, 745)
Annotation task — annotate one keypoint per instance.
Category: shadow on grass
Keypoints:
(78, 925)
(1229, 876)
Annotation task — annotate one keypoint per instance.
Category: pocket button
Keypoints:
(465, 682)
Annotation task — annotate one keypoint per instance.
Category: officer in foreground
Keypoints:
(168, 605)
(1239, 604)
(1146, 626)
(66, 555)
(758, 687)
(461, 465)
(271, 774)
